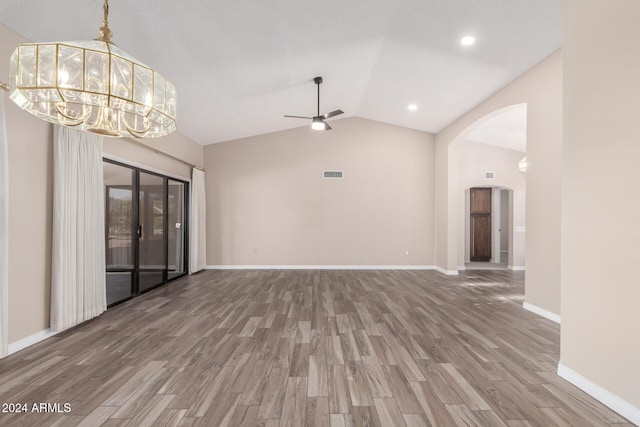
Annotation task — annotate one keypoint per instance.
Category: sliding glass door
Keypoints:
(119, 231)
(152, 231)
(145, 230)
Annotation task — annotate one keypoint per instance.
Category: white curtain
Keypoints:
(78, 284)
(197, 223)
(4, 233)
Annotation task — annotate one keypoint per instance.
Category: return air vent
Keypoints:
(489, 175)
(332, 174)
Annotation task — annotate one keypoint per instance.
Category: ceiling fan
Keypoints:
(318, 122)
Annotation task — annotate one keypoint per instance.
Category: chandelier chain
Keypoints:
(105, 31)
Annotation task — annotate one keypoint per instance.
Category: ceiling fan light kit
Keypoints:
(93, 86)
(318, 122)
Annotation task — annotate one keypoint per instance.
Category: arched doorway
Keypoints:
(487, 155)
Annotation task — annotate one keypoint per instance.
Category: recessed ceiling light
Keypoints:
(467, 40)
(412, 107)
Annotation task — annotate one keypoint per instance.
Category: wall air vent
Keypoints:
(489, 175)
(332, 174)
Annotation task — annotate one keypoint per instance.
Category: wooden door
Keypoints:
(480, 224)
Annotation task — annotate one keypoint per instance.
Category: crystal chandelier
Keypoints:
(94, 86)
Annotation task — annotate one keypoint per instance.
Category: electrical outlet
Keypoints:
(406, 253)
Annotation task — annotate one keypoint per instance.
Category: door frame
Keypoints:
(464, 220)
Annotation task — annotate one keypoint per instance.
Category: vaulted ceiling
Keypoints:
(240, 65)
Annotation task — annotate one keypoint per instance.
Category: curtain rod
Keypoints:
(166, 154)
(6, 87)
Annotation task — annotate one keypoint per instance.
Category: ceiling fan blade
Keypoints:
(326, 126)
(298, 117)
(333, 114)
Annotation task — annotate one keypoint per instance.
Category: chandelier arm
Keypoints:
(69, 120)
(132, 131)
(136, 134)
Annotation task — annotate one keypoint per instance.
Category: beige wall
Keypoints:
(267, 203)
(600, 337)
(150, 153)
(541, 89)
(30, 205)
(30, 199)
(474, 159)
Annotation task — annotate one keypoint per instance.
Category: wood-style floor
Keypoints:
(302, 348)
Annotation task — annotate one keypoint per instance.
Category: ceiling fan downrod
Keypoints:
(318, 81)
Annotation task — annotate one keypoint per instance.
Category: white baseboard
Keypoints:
(333, 267)
(447, 272)
(541, 312)
(516, 267)
(15, 347)
(601, 394)
(321, 267)
(461, 268)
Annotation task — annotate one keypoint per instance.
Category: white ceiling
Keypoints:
(240, 65)
(506, 129)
